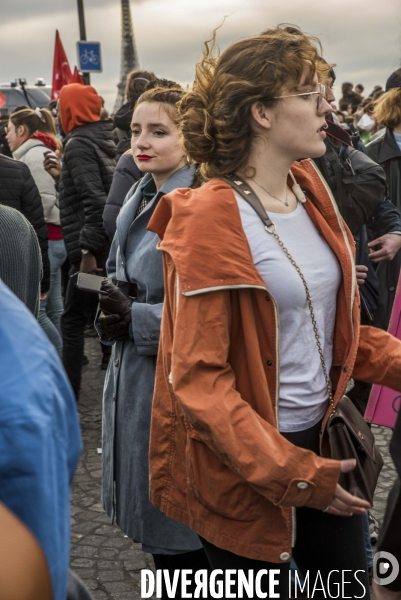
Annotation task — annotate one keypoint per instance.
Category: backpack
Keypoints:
(358, 183)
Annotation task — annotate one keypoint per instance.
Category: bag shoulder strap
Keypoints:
(244, 190)
(247, 193)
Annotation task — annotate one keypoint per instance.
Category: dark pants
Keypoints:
(324, 543)
(189, 560)
(78, 307)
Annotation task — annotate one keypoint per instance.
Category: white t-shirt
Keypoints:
(303, 396)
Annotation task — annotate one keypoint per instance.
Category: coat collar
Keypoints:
(389, 148)
(181, 178)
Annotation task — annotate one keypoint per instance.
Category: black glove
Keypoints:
(114, 327)
(115, 302)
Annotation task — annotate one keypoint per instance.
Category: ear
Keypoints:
(20, 131)
(262, 115)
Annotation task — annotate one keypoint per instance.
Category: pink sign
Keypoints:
(384, 403)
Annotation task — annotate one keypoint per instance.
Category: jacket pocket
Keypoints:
(216, 486)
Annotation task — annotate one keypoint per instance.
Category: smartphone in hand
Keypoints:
(90, 283)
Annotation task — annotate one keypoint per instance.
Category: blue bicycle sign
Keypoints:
(89, 59)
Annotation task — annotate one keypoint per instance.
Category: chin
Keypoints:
(318, 151)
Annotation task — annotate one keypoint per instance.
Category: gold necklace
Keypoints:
(272, 195)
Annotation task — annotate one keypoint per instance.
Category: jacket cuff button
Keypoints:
(269, 363)
(285, 556)
(302, 485)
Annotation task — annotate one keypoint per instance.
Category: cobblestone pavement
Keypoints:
(108, 562)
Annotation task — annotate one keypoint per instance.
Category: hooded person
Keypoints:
(85, 179)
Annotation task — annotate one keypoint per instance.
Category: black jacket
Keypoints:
(85, 180)
(386, 152)
(385, 219)
(18, 190)
(125, 175)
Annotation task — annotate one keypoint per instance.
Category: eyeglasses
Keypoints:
(321, 95)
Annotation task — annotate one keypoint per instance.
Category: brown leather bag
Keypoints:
(24, 574)
(349, 434)
(351, 437)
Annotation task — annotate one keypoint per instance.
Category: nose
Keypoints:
(142, 141)
(330, 97)
(325, 108)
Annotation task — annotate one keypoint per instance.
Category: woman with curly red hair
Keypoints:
(238, 450)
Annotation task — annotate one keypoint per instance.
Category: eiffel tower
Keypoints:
(129, 58)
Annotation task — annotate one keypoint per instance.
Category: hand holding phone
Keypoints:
(115, 301)
(90, 283)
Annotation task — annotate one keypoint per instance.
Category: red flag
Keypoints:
(76, 77)
(61, 69)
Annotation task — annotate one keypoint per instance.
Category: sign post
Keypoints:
(89, 57)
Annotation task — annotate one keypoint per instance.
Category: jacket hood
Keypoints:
(181, 221)
(201, 229)
(78, 105)
(99, 133)
(122, 118)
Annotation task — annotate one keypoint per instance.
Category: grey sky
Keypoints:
(362, 36)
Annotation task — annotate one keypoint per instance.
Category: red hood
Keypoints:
(46, 139)
(78, 104)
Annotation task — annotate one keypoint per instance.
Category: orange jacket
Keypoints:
(217, 460)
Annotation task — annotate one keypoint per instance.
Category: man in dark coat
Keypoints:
(18, 190)
(384, 225)
(85, 179)
(385, 151)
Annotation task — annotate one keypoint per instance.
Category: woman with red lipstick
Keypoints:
(134, 328)
(261, 328)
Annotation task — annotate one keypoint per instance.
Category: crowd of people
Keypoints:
(243, 241)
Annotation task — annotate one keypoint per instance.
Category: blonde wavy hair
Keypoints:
(215, 117)
(387, 110)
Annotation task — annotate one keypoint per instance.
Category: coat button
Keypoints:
(114, 395)
(302, 485)
(152, 336)
(143, 336)
(345, 369)
(269, 363)
(391, 289)
(268, 298)
(116, 362)
(285, 556)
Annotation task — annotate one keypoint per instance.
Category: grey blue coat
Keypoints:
(130, 379)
